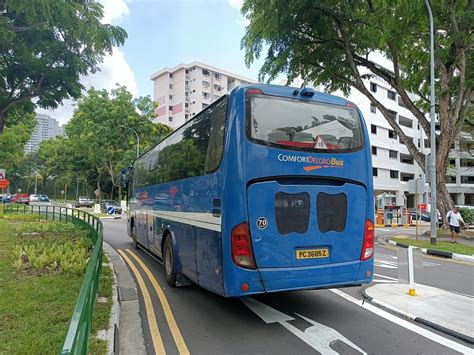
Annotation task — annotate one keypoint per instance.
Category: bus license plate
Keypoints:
(312, 253)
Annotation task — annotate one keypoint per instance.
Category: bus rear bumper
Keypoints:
(313, 277)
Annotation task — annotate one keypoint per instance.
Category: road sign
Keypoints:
(96, 192)
(62, 192)
(2, 174)
(19, 190)
(4, 183)
(110, 210)
(422, 206)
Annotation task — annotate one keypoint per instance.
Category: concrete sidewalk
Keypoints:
(446, 311)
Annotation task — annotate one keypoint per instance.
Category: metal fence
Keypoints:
(77, 337)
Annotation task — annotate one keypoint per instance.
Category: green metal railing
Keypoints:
(77, 337)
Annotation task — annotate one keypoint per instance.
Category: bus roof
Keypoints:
(288, 91)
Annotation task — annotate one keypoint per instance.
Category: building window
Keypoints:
(186, 116)
(206, 84)
(393, 154)
(406, 159)
(171, 97)
(467, 179)
(393, 174)
(205, 72)
(373, 87)
(186, 71)
(392, 134)
(450, 179)
(400, 102)
(206, 95)
(391, 95)
(186, 104)
(170, 108)
(217, 76)
(406, 177)
(170, 86)
(419, 143)
(427, 143)
(373, 129)
(405, 121)
(204, 106)
(375, 172)
(467, 163)
(373, 109)
(170, 119)
(374, 150)
(217, 87)
(171, 75)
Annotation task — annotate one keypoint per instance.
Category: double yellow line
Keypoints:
(152, 323)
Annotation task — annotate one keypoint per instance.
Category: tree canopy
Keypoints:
(334, 43)
(45, 46)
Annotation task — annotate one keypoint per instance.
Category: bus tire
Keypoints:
(169, 262)
(134, 237)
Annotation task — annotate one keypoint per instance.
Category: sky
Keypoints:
(164, 34)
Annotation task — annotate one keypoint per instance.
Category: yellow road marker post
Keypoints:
(154, 330)
(178, 338)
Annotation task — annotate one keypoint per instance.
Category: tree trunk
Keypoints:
(2, 118)
(444, 201)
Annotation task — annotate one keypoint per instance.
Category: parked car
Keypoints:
(106, 204)
(43, 198)
(21, 198)
(33, 198)
(83, 201)
(5, 198)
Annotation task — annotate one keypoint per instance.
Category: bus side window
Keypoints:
(215, 146)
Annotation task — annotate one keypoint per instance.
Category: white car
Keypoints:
(33, 198)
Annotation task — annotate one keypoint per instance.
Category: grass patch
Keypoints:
(36, 302)
(102, 311)
(449, 247)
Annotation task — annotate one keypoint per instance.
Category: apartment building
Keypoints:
(46, 128)
(183, 91)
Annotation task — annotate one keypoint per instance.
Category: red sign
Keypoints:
(422, 206)
(4, 183)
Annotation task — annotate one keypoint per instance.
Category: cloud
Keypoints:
(113, 70)
(114, 10)
(237, 4)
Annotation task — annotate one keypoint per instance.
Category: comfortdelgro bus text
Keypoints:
(268, 189)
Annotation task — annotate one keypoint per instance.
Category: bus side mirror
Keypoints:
(125, 177)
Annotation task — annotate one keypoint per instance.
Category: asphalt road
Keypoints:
(319, 321)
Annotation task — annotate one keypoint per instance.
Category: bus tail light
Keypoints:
(254, 92)
(368, 244)
(242, 252)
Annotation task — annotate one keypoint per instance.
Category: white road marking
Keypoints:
(387, 277)
(385, 281)
(406, 324)
(391, 261)
(318, 336)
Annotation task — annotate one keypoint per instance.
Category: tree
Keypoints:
(99, 138)
(14, 138)
(332, 42)
(46, 45)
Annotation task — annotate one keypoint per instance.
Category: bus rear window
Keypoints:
(299, 125)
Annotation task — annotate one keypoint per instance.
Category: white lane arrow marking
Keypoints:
(318, 336)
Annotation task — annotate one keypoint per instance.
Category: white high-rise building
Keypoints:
(183, 91)
(46, 128)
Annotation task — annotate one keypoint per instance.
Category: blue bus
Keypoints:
(267, 189)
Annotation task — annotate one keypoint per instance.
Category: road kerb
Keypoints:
(420, 320)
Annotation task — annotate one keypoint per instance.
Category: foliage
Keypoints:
(45, 255)
(26, 327)
(22, 217)
(14, 138)
(467, 215)
(50, 227)
(46, 46)
(343, 44)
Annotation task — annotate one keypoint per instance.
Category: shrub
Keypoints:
(467, 214)
(50, 227)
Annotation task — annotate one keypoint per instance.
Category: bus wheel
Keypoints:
(134, 237)
(169, 262)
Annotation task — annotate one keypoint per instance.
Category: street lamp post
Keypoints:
(432, 162)
(138, 138)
